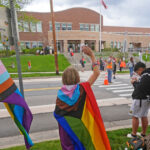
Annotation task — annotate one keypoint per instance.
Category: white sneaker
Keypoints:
(131, 136)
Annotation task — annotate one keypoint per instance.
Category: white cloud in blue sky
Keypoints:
(119, 12)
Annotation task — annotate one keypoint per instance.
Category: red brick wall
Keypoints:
(73, 15)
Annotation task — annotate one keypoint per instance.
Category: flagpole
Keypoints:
(54, 37)
(100, 31)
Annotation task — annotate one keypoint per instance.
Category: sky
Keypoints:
(134, 13)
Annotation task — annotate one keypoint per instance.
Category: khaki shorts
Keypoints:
(137, 111)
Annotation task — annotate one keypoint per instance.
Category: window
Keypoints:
(26, 26)
(82, 27)
(86, 27)
(20, 26)
(119, 45)
(57, 26)
(1, 46)
(50, 26)
(40, 44)
(64, 26)
(97, 28)
(131, 45)
(112, 44)
(28, 45)
(33, 27)
(34, 44)
(39, 27)
(115, 44)
(92, 27)
(22, 45)
(69, 26)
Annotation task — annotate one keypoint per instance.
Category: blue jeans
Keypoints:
(131, 71)
(109, 75)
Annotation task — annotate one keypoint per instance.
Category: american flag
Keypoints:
(103, 3)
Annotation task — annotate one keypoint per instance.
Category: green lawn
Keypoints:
(39, 63)
(148, 57)
(117, 140)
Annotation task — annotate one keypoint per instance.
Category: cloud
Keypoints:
(119, 12)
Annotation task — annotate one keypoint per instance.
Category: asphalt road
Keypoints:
(44, 92)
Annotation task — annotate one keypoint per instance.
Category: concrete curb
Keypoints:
(54, 135)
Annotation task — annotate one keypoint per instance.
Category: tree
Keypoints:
(19, 4)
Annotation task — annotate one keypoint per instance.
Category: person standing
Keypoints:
(82, 62)
(141, 102)
(131, 66)
(101, 64)
(114, 67)
(109, 69)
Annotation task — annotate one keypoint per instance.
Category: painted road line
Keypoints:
(120, 91)
(50, 108)
(125, 95)
(42, 89)
(115, 85)
(117, 88)
(40, 80)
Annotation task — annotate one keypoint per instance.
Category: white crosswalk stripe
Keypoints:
(116, 88)
(125, 95)
(114, 85)
(120, 91)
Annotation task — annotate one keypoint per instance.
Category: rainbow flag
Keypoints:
(80, 123)
(15, 104)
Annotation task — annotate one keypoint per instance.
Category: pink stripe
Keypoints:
(67, 92)
(2, 68)
(103, 3)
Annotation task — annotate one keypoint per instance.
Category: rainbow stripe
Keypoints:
(81, 127)
(15, 104)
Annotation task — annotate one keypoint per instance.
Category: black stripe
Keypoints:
(77, 114)
(8, 92)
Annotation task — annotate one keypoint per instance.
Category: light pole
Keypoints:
(16, 42)
(54, 37)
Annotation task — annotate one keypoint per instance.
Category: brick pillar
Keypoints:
(97, 45)
(65, 46)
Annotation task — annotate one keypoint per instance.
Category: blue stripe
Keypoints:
(62, 121)
(29, 139)
(18, 92)
(70, 101)
(3, 77)
(18, 110)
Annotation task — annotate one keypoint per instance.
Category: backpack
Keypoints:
(137, 143)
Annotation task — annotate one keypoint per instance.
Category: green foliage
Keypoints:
(19, 4)
(110, 49)
(148, 57)
(4, 53)
(135, 54)
(31, 51)
(121, 55)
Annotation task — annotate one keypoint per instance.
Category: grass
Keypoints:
(121, 72)
(117, 140)
(44, 63)
(37, 75)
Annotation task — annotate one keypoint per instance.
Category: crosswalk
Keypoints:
(121, 88)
